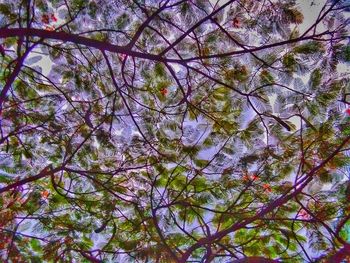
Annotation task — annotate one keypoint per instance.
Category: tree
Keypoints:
(174, 131)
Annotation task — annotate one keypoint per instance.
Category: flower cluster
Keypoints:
(247, 177)
(46, 19)
(254, 177)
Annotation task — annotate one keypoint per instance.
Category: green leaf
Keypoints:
(35, 244)
(266, 77)
(122, 21)
(5, 9)
(309, 48)
(4, 178)
(346, 53)
(315, 78)
(200, 163)
(289, 62)
(159, 70)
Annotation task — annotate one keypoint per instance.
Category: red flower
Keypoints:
(347, 111)
(45, 19)
(254, 177)
(245, 177)
(164, 91)
(53, 17)
(236, 22)
(267, 187)
(45, 194)
(49, 28)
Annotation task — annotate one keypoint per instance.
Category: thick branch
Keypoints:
(76, 39)
(106, 46)
(340, 255)
(45, 172)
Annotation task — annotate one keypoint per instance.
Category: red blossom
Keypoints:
(254, 177)
(49, 28)
(245, 178)
(236, 22)
(45, 19)
(347, 111)
(267, 187)
(164, 91)
(45, 194)
(53, 17)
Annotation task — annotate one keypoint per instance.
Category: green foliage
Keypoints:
(309, 48)
(266, 77)
(316, 78)
(293, 15)
(172, 131)
(122, 21)
(346, 53)
(289, 62)
(5, 9)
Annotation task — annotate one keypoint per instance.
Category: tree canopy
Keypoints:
(174, 131)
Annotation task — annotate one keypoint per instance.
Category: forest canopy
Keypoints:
(174, 131)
